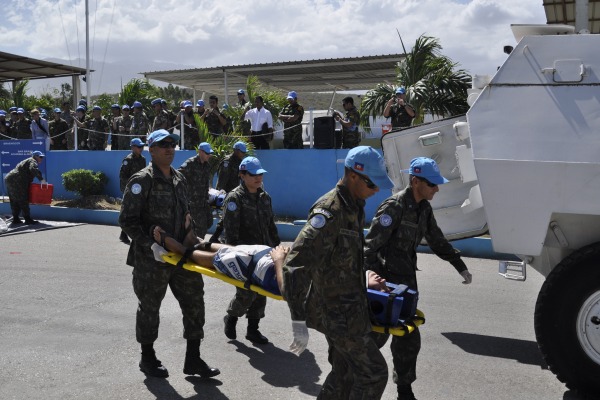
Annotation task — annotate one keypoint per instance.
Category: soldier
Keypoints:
(215, 120)
(170, 112)
(141, 124)
(325, 285)
(161, 117)
(4, 126)
(399, 110)
(350, 133)
(22, 126)
(131, 164)
(17, 186)
(98, 130)
(196, 171)
(191, 136)
(292, 115)
(248, 219)
(82, 134)
(122, 127)
(157, 195)
(13, 117)
(397, 228)
(58, 128)
(115, 114)
(67, 114)
(241, 95)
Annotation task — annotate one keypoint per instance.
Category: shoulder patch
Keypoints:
(136, 188)
(231, 206)
(225, 164)
(326, 213)
(125, 162)
(318, 221)
(385, 220)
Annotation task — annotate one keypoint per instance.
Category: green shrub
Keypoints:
(84, 182)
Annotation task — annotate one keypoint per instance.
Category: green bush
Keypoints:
(84, 182)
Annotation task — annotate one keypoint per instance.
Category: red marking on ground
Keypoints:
(15, 252)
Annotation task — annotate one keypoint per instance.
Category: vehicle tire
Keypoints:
(567, 320)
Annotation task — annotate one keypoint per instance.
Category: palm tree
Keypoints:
(433, 84)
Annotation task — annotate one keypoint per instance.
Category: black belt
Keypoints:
(260, 132)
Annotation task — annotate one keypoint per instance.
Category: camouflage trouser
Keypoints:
(247, 302)
(203, 220)
(150, 286)
(292, 139)
(191, 139)
(358, 370)
(18, 194)
(350, 140)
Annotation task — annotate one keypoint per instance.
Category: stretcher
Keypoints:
(405, 328)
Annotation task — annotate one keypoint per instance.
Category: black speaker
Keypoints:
(324, 133)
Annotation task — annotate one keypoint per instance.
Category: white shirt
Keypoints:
(258, 117)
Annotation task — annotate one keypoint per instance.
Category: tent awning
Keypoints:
(563, 12)
(14, 68)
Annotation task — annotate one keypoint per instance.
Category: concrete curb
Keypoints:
(473, 247)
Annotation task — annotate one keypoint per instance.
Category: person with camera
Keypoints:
(399, 110)
(214, 118)
(350, 133)
(292, 115)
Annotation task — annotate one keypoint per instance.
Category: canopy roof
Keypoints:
(14, 67)
(357, 73)
(563, 12)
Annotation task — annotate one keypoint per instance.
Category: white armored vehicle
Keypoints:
(525, 164)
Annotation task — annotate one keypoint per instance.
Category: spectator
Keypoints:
(241, 95)
(98, 130)
(22, 127)
(58, 129)
(123, 128)
(141, 124)
(350, 133)
(292, 115)
(191, 136)
(17, 185)
(261, 124)
(80, 121)
(399, 110)
(39, 128)
(248, 219)
(115, 114)
(4, 126)
(161, 117)
(131, 164)
(67, 114)
(215, 120)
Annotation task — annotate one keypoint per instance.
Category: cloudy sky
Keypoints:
(202, 33)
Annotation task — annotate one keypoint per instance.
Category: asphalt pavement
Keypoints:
(67, 331)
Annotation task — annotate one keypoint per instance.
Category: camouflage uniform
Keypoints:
(151, 199)
(139, 126)
(98, 133)
(399, 116)
(197, 176)
(5, 130)
(292, 134)
(351, 136)
(191, 136)
(82, 136)
(161, 121)
(214, 123)
(397, 229)
(21, 129)
(324, 285)
(129, 166)
(58, 131)
(229, 173)
(248, 219)
(123, 139)
(68, 117)
(17, 185)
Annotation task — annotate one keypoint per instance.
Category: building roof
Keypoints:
(355, 73)
(14, 67)
(563, 12)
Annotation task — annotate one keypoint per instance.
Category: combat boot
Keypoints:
(16, 220)
(230, 323)
(253, 334)
(152, 366)
(30, 221)
(124, 238)
(194, 365)
(405, 393)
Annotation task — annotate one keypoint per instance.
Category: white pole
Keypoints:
(311, 127)
(88, 80)
(182, 129)
(581, 16)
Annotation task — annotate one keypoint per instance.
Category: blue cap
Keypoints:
(200, 103)
(427, 168)
(37, 153)
(187, 103)
(137, 104)
(156, 101)
(125, 107)
(20, 111)
(12, 109)
(57, 110)
(241, 146)
(241, 91)
(80, 108)
(292, 95)
(97, 108)
(115, 106)
(252, 165)
(205, 147)
(163, 101)
(2, 112)
(136, 142)
(159, 135)
(400, 90)
(367, 161)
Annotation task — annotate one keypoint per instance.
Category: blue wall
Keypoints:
(295, 178)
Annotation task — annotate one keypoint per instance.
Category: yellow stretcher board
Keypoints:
(213, 273)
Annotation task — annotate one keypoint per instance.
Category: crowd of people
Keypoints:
(323, 277)
(94, 128)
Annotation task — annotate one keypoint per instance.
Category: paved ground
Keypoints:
(67, 332)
